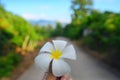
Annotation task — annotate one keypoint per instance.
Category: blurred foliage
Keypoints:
(4, 41)
(58, 31)
(81, 8)
(102, 34)
(8, 63)
(97, 30)
(72, 31)
(17, 36)
(28, 45)
(105, 35)
(43, 32)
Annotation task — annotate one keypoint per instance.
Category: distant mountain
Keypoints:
(45, 22)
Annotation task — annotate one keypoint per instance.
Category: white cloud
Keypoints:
(29, 16)
(43, 16)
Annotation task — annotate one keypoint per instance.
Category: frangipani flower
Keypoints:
(56, 51)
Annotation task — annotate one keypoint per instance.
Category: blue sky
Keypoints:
(53, 9)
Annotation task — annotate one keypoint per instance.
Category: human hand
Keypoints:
(66, 77)
(52, 77)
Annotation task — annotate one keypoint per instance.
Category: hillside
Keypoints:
(45, 23)
(17, 38)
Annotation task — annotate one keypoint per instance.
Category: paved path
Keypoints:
(84, 68)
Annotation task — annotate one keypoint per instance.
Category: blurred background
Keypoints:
(25, 25)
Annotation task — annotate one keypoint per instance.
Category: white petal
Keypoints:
(42, 61)
(69, 52)
(48, 47)
(60, 68)
(59, 44)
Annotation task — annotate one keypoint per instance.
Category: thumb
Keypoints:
(65, 77)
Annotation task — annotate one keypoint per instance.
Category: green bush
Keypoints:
(8, 63)
(104, 36)
(13, 30)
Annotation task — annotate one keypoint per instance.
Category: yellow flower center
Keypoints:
(56, 54)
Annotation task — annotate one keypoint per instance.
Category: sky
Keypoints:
(56, 10)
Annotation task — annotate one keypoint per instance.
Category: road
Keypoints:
(84, 68)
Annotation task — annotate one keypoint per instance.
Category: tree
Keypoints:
(80, 9)
(58, 30)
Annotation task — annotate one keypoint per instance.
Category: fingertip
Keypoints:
(63, 78)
